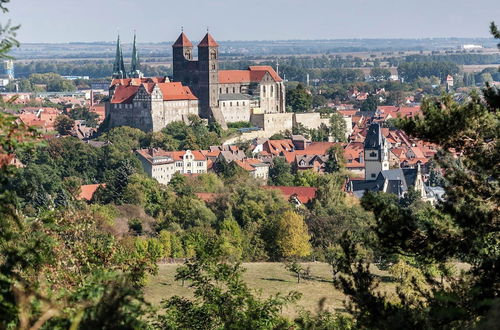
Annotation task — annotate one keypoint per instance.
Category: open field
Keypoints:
(268, 278)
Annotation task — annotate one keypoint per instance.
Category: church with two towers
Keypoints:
(196, 87)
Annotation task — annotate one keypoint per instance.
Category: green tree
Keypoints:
(64, 124)
(280, 173)
(338, 127)
(292, 237)
(464, 227)
(299, 99)
(336, 161)
(231, 237)
(370, 104)
(221, 299)
(380, 74)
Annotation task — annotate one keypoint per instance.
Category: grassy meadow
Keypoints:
(267, 278)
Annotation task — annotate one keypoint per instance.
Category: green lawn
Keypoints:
(268, 278)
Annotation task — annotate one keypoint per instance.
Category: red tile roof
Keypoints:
(261, 69)
(276, 147)
(148, 154)
(88, 190)
(171, 91)
(175, 91)
(124, 94)
(182, 41)
(207, 197)
(208, 41)
(234, 76)
(137, 81)
(303, 194)
(253, 74)
(248, 164)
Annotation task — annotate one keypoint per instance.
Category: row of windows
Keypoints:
(243, 103)
(227, 90)
(124, 106)
(271, 91)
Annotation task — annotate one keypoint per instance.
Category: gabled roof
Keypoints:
(124, 94)
(175, 91)
(303, 194)
(88, 190)
(137, 81)
(163, 156)
(182, 41)
(171, 91)
(258, 70)
(249, 164)
(234, 76)
(254, 73)
(276, 147)
(208, 41)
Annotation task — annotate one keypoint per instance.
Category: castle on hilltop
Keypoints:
(197, 87)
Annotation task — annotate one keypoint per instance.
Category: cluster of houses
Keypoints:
(377, 158)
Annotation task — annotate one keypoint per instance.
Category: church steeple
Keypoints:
(135, 71)
(376, 152)
(118, 67)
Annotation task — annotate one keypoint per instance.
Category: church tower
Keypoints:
(183, 63)
(376, 152)
(118, 66)
(208, 68)
(135, 69)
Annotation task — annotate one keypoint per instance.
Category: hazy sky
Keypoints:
(160, 20)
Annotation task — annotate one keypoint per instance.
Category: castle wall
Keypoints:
(273, 123)
(235, 110)
(169, 111)
(128, 114)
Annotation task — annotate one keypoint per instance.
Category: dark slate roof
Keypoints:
(395, 187)
(234, 97)
(374, 137)
(408, 176)
(393, 175)
(371, 185)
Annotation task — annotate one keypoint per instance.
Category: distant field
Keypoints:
(269, 278)
(478, 67)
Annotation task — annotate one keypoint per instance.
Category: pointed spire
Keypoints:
(118, 66)
(208, 41)
(135, 71)
(182, 41)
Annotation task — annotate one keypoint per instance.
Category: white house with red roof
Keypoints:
(162, 165)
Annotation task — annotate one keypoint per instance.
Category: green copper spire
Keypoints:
(118, 66)
(135, 70)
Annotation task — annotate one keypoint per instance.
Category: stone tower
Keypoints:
(118, 66)
(376, 152)
(185, 69)
(208, 73)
